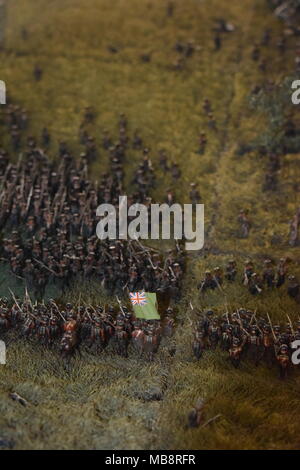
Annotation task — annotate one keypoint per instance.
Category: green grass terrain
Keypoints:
(108, 402)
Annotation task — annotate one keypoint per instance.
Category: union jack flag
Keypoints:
(138, 298)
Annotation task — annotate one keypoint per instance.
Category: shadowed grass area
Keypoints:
(105, 402)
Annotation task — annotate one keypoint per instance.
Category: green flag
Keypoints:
(144, 305)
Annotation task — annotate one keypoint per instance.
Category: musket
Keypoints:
(58, 310)
(165, 265)
(246, 280)
(240, 320)
(15, 300)
(55, 210)
(132, 251)
(28, 297)
(145, 251)
(92, 308)
(253, 316)
(119, 302)
(2, 194)
(172, 272)
(153, 267)
(243, 329)
(226, 313)
(107, 253)
(29, 199)
(275, 339)
(291, 324)
(63, 200)
(17, 304)
(143, 247)
(109, 323)
(44, 266)
(191, 305)
(202, 285)
(259, 329)
(19, 161)
(218, 284)
(85, 171)
(88, 314)
(259, 290)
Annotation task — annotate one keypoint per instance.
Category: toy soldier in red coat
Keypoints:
(253, 345)
(169, 323)
(267, 345)
(137, 337)
(235, 352)
(283, 360)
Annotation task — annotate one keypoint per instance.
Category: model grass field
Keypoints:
(105, 401)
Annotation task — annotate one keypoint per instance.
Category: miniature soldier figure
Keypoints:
(231, 271)
(266, 37)
(194, 194)
(269, 274)
(227, 337)
(283, 360)
(45, 137)
(202, 143)
(150, 342)
(253, 345)
(267, 345)
(137, 337)
(281, 272)
(170, 197)
(218, 42)
(37, 73)
(175, 171)
(207, 321)
(163, 161)
(214, 333)
(137, 140)
(169, 322)
(248, 271)
(196, 415)
(207, 106)
(4, 320)
(245, 223)
(122, 340)
(212, 122)
(255, 285)
(293, 287)
(218, 276)
(255, 54)
(207, 283)
(235, 352)
(198, 343)
(294, 227)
